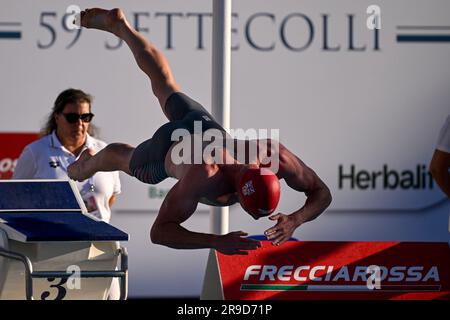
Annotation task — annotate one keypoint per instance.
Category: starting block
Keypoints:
(301, 270)
(52, 249)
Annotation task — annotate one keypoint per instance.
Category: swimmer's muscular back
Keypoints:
(218, 188)
(243, 151)
(289, 166)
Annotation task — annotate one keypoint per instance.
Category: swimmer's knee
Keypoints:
(156, 236)
(121, 154)
(163, 89)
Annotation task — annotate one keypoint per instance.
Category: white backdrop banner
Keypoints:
(361, 106)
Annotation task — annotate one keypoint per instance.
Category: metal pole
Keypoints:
(28, 270)
(221, 71)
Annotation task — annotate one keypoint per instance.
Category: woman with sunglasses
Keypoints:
(67, 133)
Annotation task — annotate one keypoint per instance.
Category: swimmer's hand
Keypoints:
(283, 230)
(235, 243)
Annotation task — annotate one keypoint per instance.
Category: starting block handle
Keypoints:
(124, 268)
(28, 270)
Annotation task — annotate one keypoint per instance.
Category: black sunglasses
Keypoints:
(73, 117)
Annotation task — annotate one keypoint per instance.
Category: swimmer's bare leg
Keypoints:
(148, 58)
(115, 156)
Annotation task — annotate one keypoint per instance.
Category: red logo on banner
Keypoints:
(11, 146)
(338, 270)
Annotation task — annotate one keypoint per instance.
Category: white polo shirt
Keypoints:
(444, 137)
(46, 158)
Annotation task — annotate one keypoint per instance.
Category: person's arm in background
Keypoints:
(26, 165)
(439, 167)
(112, 200)
(440, 162)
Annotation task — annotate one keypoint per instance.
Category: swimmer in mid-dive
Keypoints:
(252, 183)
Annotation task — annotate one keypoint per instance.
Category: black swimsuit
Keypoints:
(147, 161)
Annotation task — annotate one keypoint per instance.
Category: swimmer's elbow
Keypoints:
(156, 235)
(328, 197)
(325, 193)
(164, 234)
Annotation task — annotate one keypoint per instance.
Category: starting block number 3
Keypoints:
(73, 282)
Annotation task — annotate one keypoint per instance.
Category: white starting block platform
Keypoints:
(52, 249)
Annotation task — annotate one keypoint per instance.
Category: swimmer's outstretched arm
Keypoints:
(148, 58)
(301, 178)
(179, 204)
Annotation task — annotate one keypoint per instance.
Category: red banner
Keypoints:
(11, 146)
(338, 270)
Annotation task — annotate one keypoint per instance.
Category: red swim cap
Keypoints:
(259, 191)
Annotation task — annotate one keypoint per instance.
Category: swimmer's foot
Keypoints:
(79, 170)
(106, 20)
